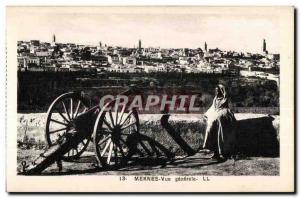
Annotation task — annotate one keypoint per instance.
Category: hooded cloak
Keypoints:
(220, 130)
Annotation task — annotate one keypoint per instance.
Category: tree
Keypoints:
(85, 53)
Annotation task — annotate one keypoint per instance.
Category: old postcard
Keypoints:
(150, 99)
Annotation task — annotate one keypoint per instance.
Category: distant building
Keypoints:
(28, 61)
(35, 42)
(22, 61)
(140, 45)
(131, 61)
(34, 61)
(101, 60)
(265, 51)
(43, 53)
(183, 60)
(205, 46)
(156, 55)
(116, 59)
(53, 40)
(276, 57)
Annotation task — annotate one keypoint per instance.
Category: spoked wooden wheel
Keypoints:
(60, 117)
(111, 130)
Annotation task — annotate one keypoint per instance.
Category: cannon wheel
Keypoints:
(111, 130)
(63, 110)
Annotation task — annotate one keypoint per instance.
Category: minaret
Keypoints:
(205, 46)
(140, 44)
(53, 39)
(264, 46)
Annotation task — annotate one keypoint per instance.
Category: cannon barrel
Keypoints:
(83, 128)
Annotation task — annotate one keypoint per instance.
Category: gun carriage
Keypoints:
(113, 128)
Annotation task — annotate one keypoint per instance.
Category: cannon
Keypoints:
(72, 123)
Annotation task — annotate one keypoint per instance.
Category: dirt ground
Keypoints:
(196, 165)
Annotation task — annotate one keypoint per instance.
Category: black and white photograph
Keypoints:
(181, 95)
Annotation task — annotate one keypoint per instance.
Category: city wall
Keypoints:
(257, 134)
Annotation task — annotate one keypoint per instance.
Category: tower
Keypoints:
(100, 44)
(140, 44)
(205, 46)
(53, 38)
(53, 41)
(264, 46)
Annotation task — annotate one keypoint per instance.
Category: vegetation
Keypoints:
(36, 90)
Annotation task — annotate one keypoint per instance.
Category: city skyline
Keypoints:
(242, 34)
(140, 45)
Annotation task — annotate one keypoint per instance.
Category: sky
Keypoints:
(243, 33)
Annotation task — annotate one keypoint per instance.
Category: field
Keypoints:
(258, 146)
